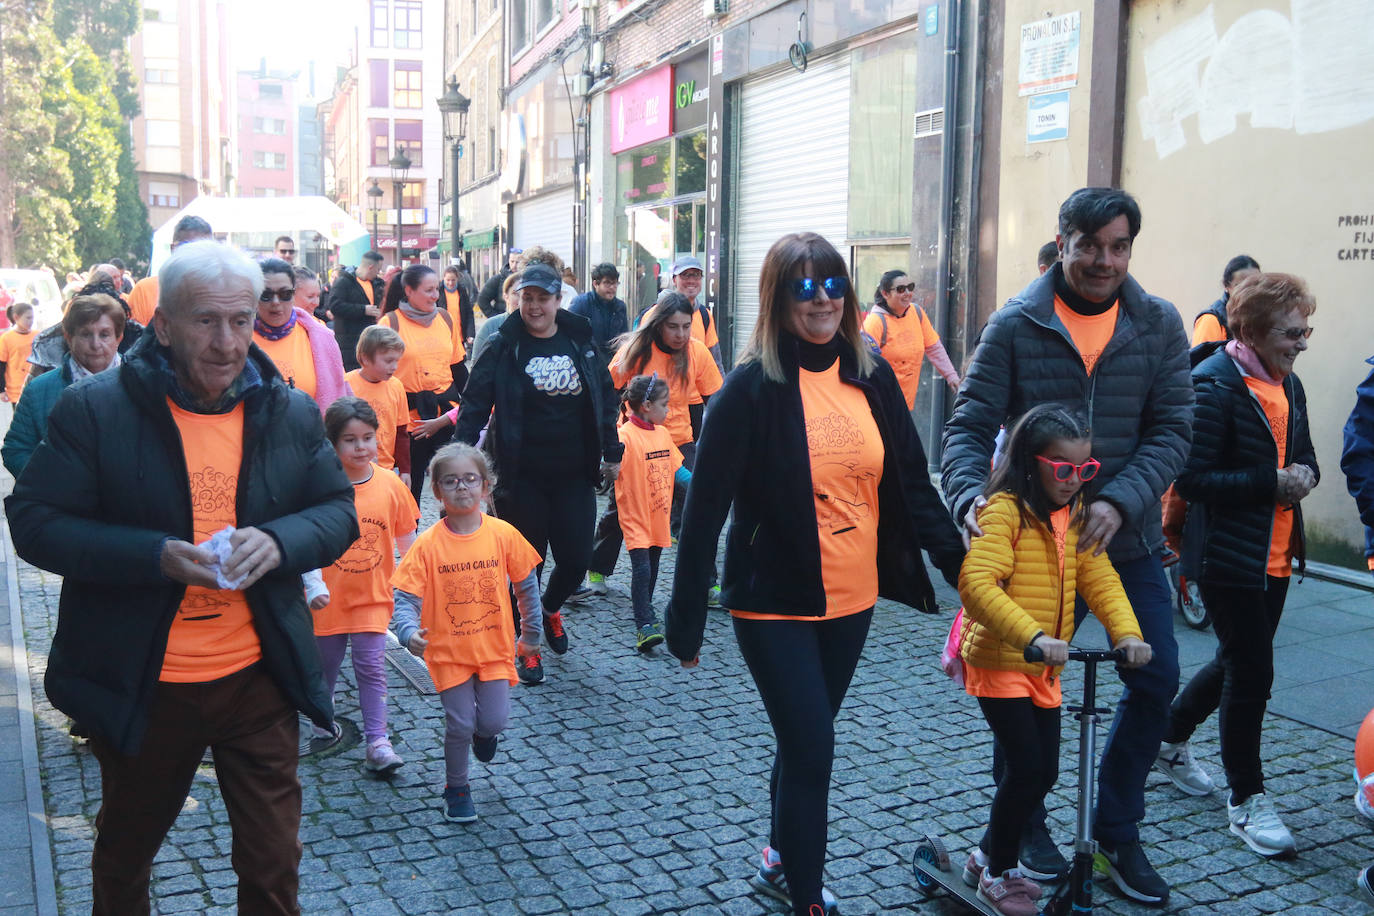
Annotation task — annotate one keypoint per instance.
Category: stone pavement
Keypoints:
(626, 785)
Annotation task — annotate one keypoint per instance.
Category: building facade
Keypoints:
(268, 133)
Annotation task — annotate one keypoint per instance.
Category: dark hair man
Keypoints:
(490, 300)
(355, 301)
(1085, 334)
(601, 306)
(1046, 257)
(285, 248)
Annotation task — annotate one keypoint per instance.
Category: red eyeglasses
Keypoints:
(1064, 470)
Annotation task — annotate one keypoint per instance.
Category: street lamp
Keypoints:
(375, 192)
(453, 105)
(400, 164)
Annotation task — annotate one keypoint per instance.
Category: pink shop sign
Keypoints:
(642, 111)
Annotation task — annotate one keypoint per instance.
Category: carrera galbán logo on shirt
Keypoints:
(554, 375)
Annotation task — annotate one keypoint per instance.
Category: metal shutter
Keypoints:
(546, 220)
(793, 171)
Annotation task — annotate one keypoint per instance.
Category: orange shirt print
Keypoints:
(360, 580)
(644, 489)
(1090, 333)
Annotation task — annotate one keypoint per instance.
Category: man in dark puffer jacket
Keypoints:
(156, 654)
(1086, 335)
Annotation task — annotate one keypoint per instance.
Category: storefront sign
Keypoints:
(1049, 54)
(714, 135)
(642, 111)
(1047, 117)
(691, 90)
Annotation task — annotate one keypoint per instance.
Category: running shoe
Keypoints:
(713, 596)
(596, 583)
(1132, 873)
(1257, 823)
(1363, 883)
(1177, 762)
(1039, 859)
(484, 749)
(978, 862)
(771, 881)
(555, 637)
(458, 805)
(382, 759)
(648, 636)
(1010, 893)
(580, 594)
(530, 669)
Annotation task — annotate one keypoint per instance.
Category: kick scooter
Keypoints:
(931, 863)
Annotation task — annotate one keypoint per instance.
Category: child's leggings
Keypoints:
(643, 575)
(474, 706)
(1029, 737)
(369, 668)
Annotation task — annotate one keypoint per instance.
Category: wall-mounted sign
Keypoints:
(691, 90)
(932, 19)
(1049, 54)
(1047, 116)
(642, 110)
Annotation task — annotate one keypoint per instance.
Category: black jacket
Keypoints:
(1231, 477)
(1138, 401)
(1218, 311)
(459, 303)
(489, 299)
(108, 486)
(752, 456)
(348, 302)
(494, 382)
(609, 319)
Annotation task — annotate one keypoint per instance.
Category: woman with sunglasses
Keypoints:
(810, 443)
(303, 350)
(1018, 585)
(1250, 466)
(904, 334)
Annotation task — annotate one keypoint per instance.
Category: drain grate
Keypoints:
(411, 668)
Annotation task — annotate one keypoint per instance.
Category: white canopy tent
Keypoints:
(284, 215)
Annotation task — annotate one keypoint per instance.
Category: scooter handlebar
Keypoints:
(1035, 655)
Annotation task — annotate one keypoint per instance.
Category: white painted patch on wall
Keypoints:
(1309, 73)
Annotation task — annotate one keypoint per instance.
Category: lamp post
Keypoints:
(453, 105)
(375, 192)
(400, 164)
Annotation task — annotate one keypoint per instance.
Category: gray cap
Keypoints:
(687, 263)
(540, 276)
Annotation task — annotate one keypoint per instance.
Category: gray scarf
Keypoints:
(417, 316)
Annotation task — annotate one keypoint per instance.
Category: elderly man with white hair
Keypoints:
(166, 645)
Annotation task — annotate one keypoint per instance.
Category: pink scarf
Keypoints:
(1249, 361)
(324, 352)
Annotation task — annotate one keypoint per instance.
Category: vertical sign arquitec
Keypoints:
(1049, 54)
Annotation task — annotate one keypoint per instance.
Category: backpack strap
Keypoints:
(705, 318)
(882, 316)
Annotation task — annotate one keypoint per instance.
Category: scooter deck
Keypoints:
(952, 882)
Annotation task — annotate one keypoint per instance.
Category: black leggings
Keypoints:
(802, 669)
(643, 574)
(421, 453)
(1029, 738)
(555, 514)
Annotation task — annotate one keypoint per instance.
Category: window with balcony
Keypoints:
(407, 22)
(409, 137)
(408, 85)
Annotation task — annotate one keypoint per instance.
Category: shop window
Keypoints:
(409, 137)
(381, 140)
(690, 167)
(872, 261)
(377, 73)
(645, 174)
(379, 23)
(407, 16)
(881, 148)
(408, 87)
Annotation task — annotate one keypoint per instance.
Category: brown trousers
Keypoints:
(254, 733)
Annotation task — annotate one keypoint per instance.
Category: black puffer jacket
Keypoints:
(348, 302)
(752, 456)
(1139, 402)
(1231, 477)
(108, 485)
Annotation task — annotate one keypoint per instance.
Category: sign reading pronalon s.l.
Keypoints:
(1049, 54)
(642, 110)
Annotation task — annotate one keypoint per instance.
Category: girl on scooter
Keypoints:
(1018, 584)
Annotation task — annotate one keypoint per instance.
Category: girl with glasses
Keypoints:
(303, 350)
(904, 335)
(1018, 585)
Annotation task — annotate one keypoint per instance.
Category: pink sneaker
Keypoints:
(973, 868)
(381, 758)
(1009, 894)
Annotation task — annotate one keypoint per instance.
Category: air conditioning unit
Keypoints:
(712, 9)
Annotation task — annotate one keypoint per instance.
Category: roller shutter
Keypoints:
(546, 220)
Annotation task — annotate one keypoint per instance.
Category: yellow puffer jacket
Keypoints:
(1000, 622)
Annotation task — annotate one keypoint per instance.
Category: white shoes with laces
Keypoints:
(1257, 823)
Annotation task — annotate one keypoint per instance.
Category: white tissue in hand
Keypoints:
(219, 545)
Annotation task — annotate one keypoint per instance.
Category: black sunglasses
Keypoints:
(804, 290)
(287, 251)
(904, 288)
(281, 295)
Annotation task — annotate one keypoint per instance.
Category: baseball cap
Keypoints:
(541, 276)
(687, 263)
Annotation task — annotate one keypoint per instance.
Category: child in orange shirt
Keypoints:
(15, 346)
(453, 609)
(644, 494)
(379, 353)
(358, 608)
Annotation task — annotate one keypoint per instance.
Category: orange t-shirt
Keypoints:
(1275, 404)
(905, 349)
(701, 332)
(388, 399)
(702, 380)
(292, 357)
(1059, 527)
(212, 635)
(367, 290)
(1206, 328)
(846, 454)
(360, 580)
(142, 300)
(461, 580)
(430, 351)
(15, 348)
(644, 489)
(1090, 333)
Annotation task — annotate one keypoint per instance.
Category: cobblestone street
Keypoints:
(626, 785)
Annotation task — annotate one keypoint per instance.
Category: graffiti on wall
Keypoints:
(1307, 72)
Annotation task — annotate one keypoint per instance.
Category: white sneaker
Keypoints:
(1257, 823)
(1176, 761)
(381, 758)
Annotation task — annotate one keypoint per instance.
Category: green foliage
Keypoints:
(102, 24)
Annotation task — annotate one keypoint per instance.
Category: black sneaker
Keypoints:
(1040, 859)
(1132, 873)
(458, 806)
(484, 749)
(1363, 882)
(554, 635)
(585, 593)
(530, 669)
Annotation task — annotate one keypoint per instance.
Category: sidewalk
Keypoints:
(628, 786)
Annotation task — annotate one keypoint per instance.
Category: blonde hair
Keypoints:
(376, 338)
(789, 253)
